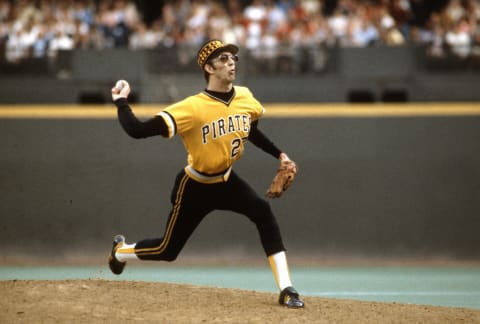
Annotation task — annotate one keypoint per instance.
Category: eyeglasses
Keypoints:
(225, 57)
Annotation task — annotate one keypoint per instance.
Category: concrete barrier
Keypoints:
(370, 74)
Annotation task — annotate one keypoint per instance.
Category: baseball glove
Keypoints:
(283, 179)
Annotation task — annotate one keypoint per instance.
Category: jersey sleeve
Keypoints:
(136, 128)
(178, 117)
(257, 110)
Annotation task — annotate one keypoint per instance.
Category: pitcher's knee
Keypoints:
(261, 212)
(262, 205)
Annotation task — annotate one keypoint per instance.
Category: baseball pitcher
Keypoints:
(214, 126)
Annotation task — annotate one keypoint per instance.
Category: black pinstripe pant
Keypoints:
(192, 201)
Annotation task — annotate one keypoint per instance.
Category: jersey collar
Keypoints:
(224, 97)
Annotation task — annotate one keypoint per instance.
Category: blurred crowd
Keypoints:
(268, 28)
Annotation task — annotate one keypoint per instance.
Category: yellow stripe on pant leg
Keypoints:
(168, 233)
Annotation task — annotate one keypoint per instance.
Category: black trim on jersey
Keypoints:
(224, 97)
(136, 128)
(173, 120)
(261, 141)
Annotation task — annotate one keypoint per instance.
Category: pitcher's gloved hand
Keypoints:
(284, 178)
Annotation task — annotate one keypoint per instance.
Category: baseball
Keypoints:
(120, 84)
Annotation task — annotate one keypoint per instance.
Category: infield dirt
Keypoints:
(102, 301)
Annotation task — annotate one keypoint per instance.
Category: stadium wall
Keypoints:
(367, 186)
(377, 74)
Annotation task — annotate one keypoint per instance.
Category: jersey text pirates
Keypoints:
(213, 131)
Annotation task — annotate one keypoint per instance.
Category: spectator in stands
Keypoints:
(195, 24)
(321, 35)
(454, 12)
(255, 16)
(116, 19)
(473, 8)
(84, 12)
(217, 21)
(61, 42)
(5, 10)
(20, 43)
(361, 31)
(338, 23)
(275, 16)
(41, 43)
(436, 37)
(458, 40)
(144, 38)
(15, 51)
(401, 12)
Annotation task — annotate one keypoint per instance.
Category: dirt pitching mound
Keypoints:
(102, 301)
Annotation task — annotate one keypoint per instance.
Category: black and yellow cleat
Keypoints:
(290, 298)
(115, 265)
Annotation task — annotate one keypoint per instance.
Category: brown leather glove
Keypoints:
(283, 179)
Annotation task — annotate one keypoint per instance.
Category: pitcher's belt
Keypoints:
(208, 178)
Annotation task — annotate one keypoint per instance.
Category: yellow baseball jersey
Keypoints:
(213, 132)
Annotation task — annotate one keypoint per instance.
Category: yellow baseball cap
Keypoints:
(211, 48)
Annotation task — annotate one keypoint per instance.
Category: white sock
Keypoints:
(126, 252)
(279, 265)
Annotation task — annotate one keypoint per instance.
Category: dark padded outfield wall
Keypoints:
(370, 186)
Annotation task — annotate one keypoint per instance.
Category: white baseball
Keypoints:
(120, 84)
